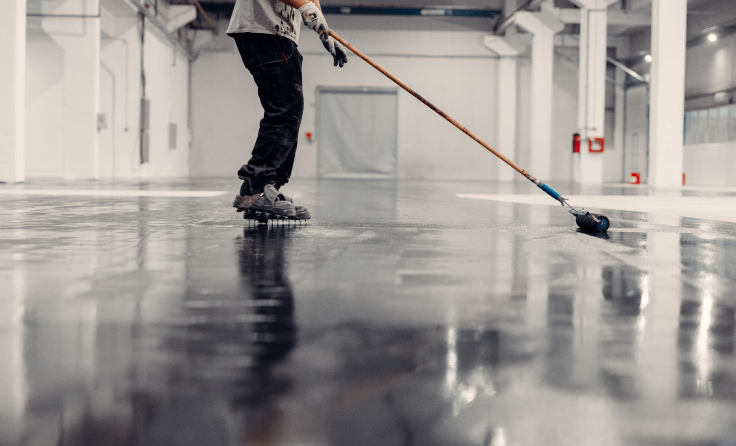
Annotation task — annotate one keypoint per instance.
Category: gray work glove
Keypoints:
(314, 19)
(340, 55)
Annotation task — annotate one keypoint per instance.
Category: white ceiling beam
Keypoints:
(615, 17)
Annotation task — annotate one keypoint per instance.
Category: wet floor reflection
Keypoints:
(204, 373)
(707, 340)
(232, 344)
(408, 330)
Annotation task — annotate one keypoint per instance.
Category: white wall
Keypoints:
(167, 73)
(711, 67)
(44, 104)
(167, 87)
(452, 69)
(710, 164)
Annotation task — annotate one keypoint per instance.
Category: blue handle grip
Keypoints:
(551, 192)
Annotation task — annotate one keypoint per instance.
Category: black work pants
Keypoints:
(276, 66)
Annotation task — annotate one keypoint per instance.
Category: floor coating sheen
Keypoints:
(400, 315)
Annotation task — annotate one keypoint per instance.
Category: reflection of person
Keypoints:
(266, 33)
(273, 333)
(271, 301)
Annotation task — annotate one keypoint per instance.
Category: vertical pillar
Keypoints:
(543, 25)
(663, 294)
(669, 26)
(79, 37)
(12, 90)
(537, 292)
(592, 87)
(619, 131)
(508, 50)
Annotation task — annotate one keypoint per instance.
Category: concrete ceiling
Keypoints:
(702, 14)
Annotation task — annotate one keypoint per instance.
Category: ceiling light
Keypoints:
(712, 37)
(648, 57)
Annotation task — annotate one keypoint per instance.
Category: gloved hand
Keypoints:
(314, 19)
(340, 55)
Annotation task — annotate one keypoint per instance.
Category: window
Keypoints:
(691, 128)
(710, 126)
(723, 124)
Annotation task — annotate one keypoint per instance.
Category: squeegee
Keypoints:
(585, 220)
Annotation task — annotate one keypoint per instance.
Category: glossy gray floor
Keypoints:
(400, 315)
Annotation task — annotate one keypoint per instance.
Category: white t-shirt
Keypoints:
(265, 17)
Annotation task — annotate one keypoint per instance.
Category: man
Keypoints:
(266, 33)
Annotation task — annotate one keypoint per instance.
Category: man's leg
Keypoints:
(280, 90)
(284, 171)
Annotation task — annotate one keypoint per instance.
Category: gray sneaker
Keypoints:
(302, 213)
(264, 205)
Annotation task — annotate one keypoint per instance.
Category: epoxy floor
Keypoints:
(400, 315)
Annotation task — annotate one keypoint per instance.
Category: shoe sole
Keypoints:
(264, 216)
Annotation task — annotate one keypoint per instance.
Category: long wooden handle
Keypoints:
(411, 91)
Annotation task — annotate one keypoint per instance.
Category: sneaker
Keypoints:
(302, 213)
(265, 202)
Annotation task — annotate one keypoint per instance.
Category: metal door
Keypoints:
(357, 132)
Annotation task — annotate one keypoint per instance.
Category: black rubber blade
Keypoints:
(588, 223)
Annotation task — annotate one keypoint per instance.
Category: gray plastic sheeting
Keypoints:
(357, 132)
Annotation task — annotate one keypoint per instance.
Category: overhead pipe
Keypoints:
(627, 70)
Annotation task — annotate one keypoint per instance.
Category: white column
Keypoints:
(12, 90)
(619, 131)
(592, 87)
(80, 40)
(669, 26)
(543, 25)
(508, 50)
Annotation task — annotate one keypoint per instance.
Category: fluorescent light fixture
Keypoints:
(648, 57)
(712, 37)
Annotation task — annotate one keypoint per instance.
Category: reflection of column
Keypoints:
(508, 49)
(80, 40)
(592, 86)
(659, 376)
(586, 323)
(669, 27)
(12, 372)
(621, 333)
(544, 25)
(538, 271)
(12, 89)
(706, 339)
(503, 270)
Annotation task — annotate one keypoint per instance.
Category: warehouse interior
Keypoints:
(436, 297)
